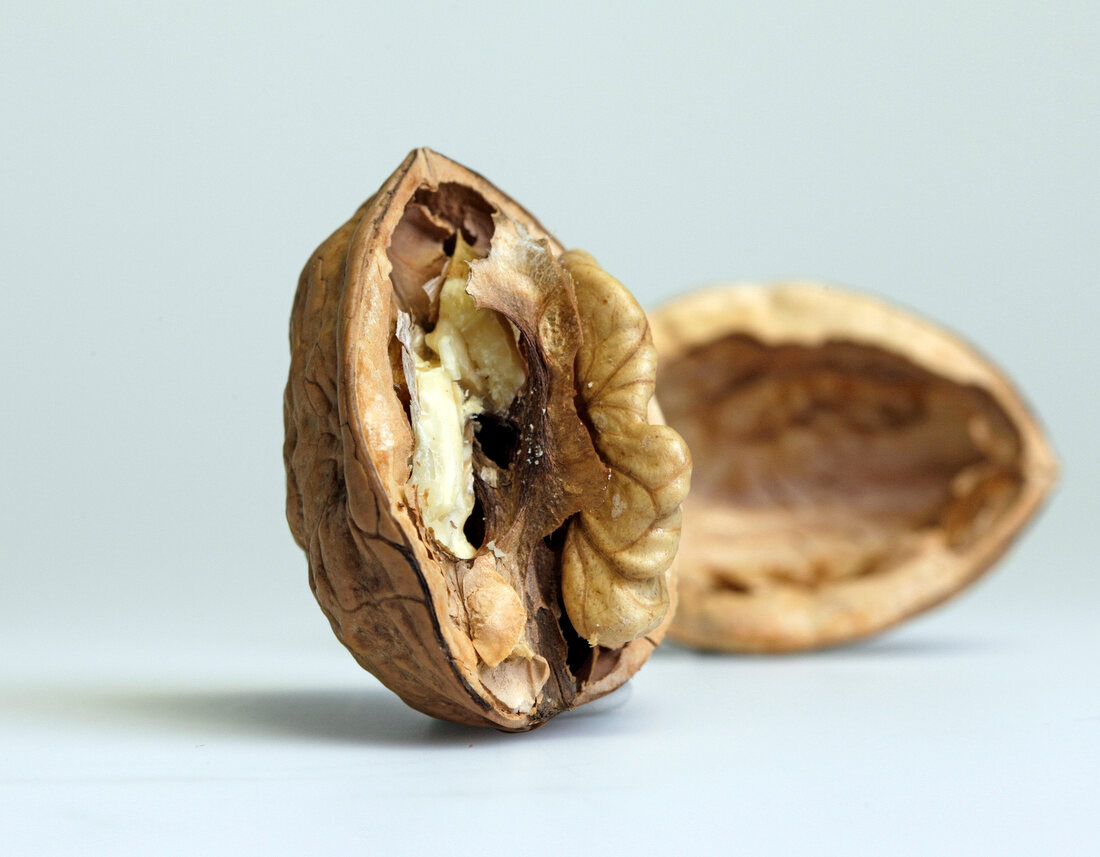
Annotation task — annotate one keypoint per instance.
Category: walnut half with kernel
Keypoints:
(476, 467)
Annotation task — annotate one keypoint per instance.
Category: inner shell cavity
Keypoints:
(815, 464)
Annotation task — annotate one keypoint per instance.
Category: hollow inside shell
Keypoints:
(854, 465)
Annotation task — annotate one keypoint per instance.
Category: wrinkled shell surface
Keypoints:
(854, 465)
(486, 641)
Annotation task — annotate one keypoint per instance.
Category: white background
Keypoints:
(168, 686)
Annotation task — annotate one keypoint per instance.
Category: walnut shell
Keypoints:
(472, 624)
(855, 465)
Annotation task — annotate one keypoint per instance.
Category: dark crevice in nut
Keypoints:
(580, 651)
(497, 437)
(474, 528)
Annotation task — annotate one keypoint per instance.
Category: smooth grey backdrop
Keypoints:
(167, 168)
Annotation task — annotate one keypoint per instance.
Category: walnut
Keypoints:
(855, 465)
(475, 466)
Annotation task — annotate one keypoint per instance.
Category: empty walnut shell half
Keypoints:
(854, 465)
(476, 470)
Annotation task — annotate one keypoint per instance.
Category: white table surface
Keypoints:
(966, 732)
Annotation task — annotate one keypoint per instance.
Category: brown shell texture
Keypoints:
(854, 464)
(491, 641)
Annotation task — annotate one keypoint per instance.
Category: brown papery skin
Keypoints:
(391, 597)
(854, 464)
